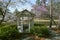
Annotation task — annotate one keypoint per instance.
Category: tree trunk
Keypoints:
(2, 19)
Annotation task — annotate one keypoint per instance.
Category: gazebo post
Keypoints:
(29, 24)
(18, 25)
(17, 21)
(22, 24)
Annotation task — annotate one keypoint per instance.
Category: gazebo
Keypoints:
(25, 20)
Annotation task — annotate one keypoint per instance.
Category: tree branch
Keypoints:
(5, 12)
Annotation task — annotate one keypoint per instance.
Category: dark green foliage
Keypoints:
(25, 26)
(37, 24)
(8, 31)
(42, 31)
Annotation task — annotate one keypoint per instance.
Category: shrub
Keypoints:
(8, 31)
(40, 31)
(38, 24)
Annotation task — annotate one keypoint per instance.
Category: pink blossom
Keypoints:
(41, 8)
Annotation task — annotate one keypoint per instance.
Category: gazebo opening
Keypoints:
(25, 20)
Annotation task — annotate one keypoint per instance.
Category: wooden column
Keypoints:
(22, 24)
(18, 24)
(17, 21)
(29, 24)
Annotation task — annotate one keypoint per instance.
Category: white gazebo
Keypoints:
(25, 20)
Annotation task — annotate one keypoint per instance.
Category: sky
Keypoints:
(17, 5)
(20, 7)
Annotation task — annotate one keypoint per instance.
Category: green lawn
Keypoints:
(46, 22)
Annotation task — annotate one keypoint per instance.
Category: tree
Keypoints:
(57, 10)
(54, 10)
(2, 11)
(43, 2)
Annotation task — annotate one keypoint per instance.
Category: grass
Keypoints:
(46, 22)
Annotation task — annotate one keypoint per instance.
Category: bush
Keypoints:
(40, 31)
(38, 24)
(8, 31)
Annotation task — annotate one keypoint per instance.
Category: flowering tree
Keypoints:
(40, 7)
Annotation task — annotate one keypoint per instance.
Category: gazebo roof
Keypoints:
(25, 13)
